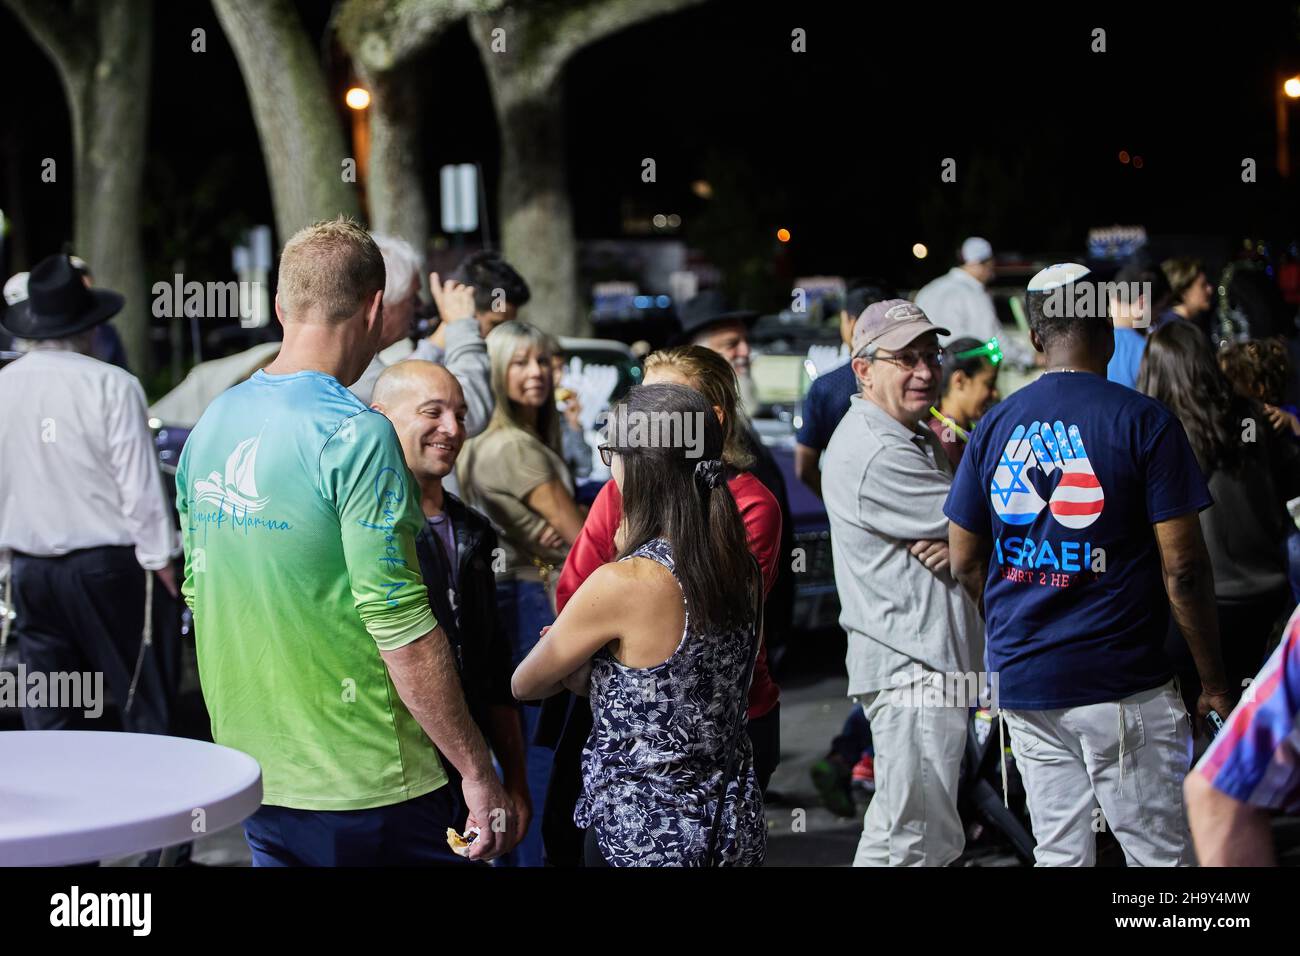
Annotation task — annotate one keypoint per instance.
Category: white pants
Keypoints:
(1082, 774)
(912, 819)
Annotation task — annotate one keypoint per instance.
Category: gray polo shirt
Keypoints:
(885, 485)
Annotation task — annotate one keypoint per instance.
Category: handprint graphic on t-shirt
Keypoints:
(1014, 498)
(1077, 498)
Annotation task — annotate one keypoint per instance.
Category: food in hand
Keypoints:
(460, 844)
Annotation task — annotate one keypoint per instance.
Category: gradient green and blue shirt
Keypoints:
(299, 520)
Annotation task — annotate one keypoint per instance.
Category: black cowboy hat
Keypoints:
(708, 308)
(58, 303)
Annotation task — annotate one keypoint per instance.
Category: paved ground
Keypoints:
(801, 832)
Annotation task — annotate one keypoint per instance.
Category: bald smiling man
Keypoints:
(427, 408)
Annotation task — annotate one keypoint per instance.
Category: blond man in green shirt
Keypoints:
(317, 651)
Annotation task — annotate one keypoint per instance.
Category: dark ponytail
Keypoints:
(953, 363)
(680, 493)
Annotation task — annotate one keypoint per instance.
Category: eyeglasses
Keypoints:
(607, 453)
(909, 359)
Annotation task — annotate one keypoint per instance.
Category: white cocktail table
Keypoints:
(77, 796)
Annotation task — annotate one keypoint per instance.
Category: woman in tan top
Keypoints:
(514, 474)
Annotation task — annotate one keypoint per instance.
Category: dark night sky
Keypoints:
(842, 144)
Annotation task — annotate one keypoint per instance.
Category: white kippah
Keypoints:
(1055, 276)
(16, 288)
(976, 249)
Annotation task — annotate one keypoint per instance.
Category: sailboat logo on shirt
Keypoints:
(1076, 499)
(237, 489)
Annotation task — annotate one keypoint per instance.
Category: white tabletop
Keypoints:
(76, 796)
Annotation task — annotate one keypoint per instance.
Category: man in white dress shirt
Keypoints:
(958, 299)
(82, 507)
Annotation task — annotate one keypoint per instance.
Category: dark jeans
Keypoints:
(84, 611)
(525, 610)
(411, 833)
(854, 738)
(765, 738)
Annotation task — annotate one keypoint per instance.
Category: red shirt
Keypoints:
(953, 446)
(762, 517)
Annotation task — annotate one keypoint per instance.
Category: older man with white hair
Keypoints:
(82, 507)
(464, 353)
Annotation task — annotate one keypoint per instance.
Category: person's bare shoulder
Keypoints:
(636, 583)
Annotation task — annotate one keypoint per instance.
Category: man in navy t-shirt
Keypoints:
(829, 395)
(1073, 517)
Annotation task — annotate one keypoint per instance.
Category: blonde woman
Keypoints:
(514, 474)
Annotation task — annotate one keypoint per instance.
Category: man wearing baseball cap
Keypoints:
(885, 478)
(958, 298)
(1073, 513)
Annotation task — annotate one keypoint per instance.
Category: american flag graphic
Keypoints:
(1078, 499)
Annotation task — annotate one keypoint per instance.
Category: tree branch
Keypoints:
(541, 36)
(594, 21)
(64, 32)
(382, 35)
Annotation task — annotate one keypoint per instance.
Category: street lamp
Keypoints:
(357, 98)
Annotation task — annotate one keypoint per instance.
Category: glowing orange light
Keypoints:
(1123, 156)
(783, 235)
(1292, 87)
(357, 98)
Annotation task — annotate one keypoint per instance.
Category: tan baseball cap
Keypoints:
(892, 324)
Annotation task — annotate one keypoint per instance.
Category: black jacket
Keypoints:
(473, 627)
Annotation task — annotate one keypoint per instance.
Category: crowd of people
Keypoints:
(440, 653)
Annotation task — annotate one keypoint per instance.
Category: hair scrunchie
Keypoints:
(708, 472)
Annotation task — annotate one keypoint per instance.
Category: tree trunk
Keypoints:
(533, 195)
(296, 121)
(385, 39)
(527, 82)
(102, 53)
(109, 122)
(394, 186)
(536, 218)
